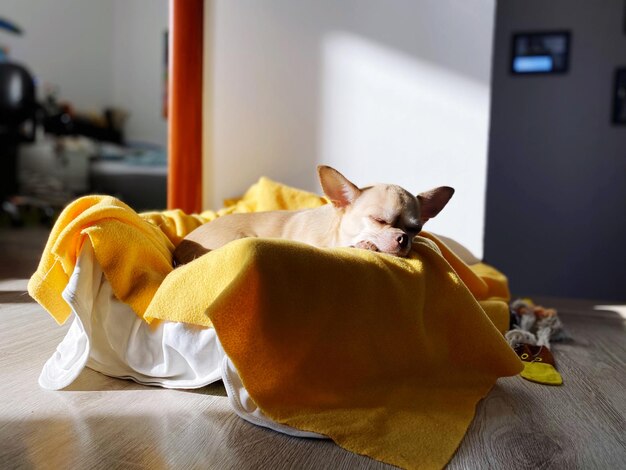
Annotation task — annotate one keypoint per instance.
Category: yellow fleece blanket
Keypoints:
(386, 356)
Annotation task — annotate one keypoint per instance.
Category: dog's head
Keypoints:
(382, 217)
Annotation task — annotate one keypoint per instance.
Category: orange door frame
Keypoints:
(184, 182)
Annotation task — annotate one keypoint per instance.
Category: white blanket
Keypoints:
(107, 336)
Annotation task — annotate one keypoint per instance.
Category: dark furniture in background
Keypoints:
(17, 106)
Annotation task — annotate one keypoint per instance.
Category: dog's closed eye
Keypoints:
(379, 220)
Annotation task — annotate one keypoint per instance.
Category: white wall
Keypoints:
(138, 66)
(384, 91)
(99, 53)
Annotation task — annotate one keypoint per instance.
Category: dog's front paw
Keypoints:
(366, 245)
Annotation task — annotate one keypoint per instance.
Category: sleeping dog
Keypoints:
(382, 218)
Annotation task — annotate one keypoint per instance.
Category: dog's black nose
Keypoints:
(402, 240)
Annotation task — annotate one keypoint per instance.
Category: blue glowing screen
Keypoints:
(540, 53)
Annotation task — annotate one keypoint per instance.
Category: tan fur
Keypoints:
(383, 218)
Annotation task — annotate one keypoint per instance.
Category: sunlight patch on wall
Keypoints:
(392, 117)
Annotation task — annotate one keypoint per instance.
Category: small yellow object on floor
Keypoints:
(539, 365)
(541, 373)
(387, 356)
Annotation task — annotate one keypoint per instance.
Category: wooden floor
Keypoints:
(101, 422)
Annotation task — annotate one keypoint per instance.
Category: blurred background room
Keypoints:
(82, 103)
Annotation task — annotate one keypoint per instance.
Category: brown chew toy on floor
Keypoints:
(532, 329)
(539, 364)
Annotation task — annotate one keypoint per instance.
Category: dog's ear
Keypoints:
(431, 202)
(337, 187)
